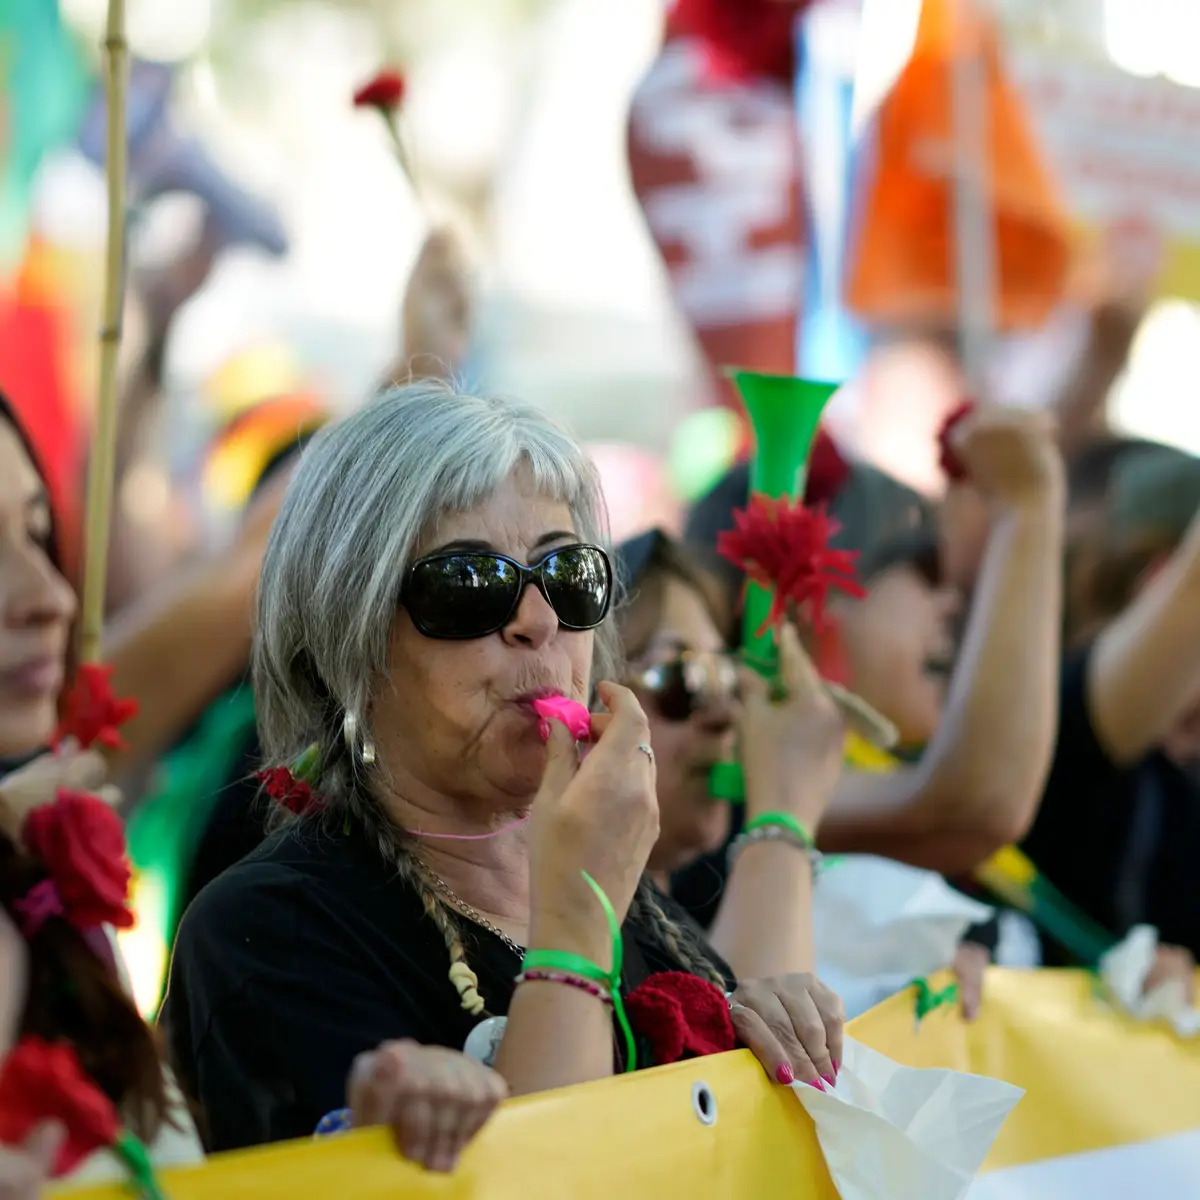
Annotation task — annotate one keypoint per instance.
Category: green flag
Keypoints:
(45, 83)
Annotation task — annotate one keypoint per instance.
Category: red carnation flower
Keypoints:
(784, 546)
(92, 713)
(828, 471)
(742, 39)
(284, 788)
(43, 1081)
(384, 91)
(681, 1016)
(81, 843)
(951, 464)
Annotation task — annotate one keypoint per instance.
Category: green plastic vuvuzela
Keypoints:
(784, 413)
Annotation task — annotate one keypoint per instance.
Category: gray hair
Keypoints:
(365, 489)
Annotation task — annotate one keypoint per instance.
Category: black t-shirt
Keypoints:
(699, 886)
(235, 826)
(1123, 843)
(305, 954)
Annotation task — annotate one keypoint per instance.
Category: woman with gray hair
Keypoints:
(441, 891)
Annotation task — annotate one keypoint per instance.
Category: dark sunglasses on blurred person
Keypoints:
(462, 594)
(687, 682)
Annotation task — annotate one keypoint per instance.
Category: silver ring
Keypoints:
(644, 747)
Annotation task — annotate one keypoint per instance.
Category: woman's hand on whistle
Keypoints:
(599, 816)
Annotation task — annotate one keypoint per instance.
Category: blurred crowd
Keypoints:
(378, 881)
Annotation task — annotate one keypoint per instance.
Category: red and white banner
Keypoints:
(716, 168)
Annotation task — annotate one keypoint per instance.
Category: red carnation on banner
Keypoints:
(743, 40)
(681, 1016)
(951, 464)
(43, 1081)
(782, 545)
(384, 91)
(81, 843)
(828, 471)
(284, 788)
(92, 714)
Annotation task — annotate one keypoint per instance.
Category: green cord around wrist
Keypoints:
(781, 820)
(133, 1153)
(927, 1000)
(576, 964)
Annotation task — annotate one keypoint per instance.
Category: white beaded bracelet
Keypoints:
(772, 833)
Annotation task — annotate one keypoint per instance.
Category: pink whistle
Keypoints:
(571, 713)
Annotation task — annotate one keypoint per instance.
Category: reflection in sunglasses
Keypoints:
(688, 682)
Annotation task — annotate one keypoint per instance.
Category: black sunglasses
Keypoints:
(472, 593)
(688, 683)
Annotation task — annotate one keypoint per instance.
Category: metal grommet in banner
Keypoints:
(483, 1042)
(704, 1103)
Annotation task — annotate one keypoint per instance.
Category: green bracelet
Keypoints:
(781, 820)
(576, 964)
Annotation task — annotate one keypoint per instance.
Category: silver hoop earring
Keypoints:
(350, 733)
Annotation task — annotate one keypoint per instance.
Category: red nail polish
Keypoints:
(837, 1066)
(818, 1085)
(784, 1074)
(829, 1080)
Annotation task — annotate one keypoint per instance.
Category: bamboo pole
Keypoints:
(974, 251)
(102, 459)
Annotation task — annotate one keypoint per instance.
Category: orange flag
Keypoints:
(901, 265)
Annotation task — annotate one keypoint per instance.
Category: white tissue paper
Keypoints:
(898, 1133)
(1124, 970)
(878, 925)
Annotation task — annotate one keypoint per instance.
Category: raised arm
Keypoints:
(178, 648)
(437, 312)
(977, 785)
(600, 816)
(1144, 671)
(792, 754)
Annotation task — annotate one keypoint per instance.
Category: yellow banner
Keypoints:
(1094, 1081)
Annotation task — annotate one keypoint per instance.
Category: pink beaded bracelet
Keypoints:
(575, 981)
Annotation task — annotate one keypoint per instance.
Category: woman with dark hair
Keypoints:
(978, 761)
(37, 602)
(701, 705)
(70, 986)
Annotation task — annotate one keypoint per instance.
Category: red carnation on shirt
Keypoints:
(782, 545)
(92, 713)
(284, 788)
(43, 1081)
(680, 1016)
(80, 842)
(951, 464)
